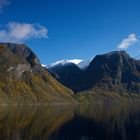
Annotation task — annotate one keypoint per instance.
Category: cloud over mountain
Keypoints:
(20, 32)
(127, 42)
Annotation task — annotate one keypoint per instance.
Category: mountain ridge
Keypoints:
(82, 64)
(115, 71)
(108, 77)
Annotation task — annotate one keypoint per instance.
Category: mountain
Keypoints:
(111, 72)
(67, 73)
(63, 63)
(24, 80)
(115, 71)
(82, 64)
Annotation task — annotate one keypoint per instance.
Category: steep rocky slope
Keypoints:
(24, 80)
(114, 71)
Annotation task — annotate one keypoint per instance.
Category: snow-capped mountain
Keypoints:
(67, 72)
(64, 62)
(82, 64)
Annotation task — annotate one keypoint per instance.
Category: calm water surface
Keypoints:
(86, 122)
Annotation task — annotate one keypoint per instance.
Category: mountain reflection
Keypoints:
(85, 122)
(23, 123)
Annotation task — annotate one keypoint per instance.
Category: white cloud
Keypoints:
(20, 32)
(3, 3)
(127, 42)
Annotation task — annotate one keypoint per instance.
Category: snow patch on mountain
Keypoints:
(64, 62)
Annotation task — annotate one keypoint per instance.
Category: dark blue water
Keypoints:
(85, 122)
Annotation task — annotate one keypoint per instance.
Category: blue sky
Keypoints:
(69, 29)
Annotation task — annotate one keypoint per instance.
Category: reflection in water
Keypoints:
(23, 123)
(85, 122)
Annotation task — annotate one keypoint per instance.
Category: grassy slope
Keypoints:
(31, 88)
(103, 96)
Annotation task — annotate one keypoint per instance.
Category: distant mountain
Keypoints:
(82, 64)
(112, 72)
(64, 62)
(67, 73)
(24, 80)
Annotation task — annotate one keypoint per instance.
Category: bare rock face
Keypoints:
(22, 51)
(18, 58)
(17, 71)
(116, 71)
(26, 55)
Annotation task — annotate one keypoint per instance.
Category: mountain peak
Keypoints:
(115, 53)
(64, 62)
(82, 64)
(23, 52)
(111, 57)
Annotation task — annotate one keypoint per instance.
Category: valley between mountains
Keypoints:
(110, 77)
